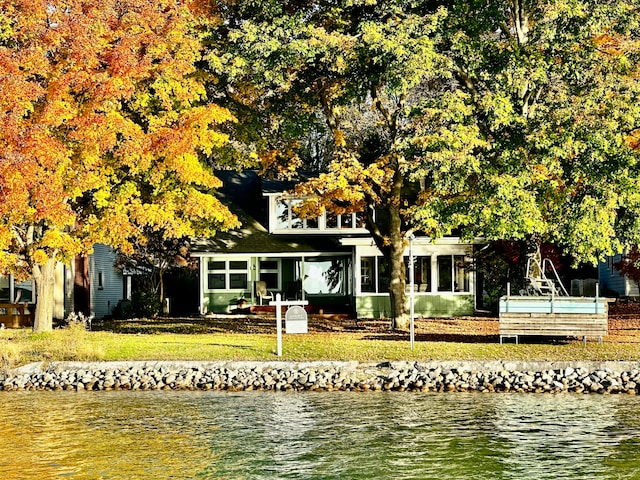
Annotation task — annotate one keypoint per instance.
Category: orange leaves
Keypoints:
(616, 45)
(103, 124)
(633, 140)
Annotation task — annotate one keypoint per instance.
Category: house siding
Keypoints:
(611, 280)
(104, 297)
(379, 306)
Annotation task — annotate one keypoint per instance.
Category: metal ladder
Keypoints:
(542, 285)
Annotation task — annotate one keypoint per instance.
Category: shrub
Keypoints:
(145, 304)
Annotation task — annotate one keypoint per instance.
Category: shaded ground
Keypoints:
(624, 326)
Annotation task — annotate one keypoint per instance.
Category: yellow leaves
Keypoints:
(197, 205)
(61, 241)
(6, 237)
(616, 45)
(40, 257)
(539, 173)
(339, 138)
(102, 197)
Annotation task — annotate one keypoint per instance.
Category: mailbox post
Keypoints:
(297, 320)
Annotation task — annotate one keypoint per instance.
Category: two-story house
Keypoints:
(330, 261)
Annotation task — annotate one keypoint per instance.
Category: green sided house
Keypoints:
(330, 261)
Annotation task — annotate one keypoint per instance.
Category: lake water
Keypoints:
(336, 435)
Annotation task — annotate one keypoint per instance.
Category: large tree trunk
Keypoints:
(44, 277)
(390, 241)
(397, 295)
(395, 252)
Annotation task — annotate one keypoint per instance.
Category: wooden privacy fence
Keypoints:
(553, 316)
(16, 315)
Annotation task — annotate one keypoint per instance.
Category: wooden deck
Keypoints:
(553, 316)
(17, 315)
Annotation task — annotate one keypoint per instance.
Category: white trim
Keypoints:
(321, 229)
(438, 242)
(270, 255)
(417, 252)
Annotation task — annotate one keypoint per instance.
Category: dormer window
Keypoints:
(283, 219)
(287, 219)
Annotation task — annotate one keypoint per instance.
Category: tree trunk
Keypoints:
(534, 253)
(163, 308)
(397, 296)
(390, 241)
(44, 277)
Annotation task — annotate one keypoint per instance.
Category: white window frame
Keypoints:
(275, 227)
(277, 270)
(466, 275)
(433, 281)
(227, 271)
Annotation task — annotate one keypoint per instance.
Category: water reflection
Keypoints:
(338, 435)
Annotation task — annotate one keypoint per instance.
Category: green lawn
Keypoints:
(18, 347)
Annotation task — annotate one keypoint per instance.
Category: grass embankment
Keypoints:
(198, 340)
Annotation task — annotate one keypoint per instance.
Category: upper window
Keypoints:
(286, 219)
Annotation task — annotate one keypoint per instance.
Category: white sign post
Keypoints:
(296, 318)
(412, 292)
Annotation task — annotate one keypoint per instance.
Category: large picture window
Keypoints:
(324, 276)
(451, 274)
(227, 274)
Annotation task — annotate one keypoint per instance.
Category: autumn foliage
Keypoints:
(104, 118)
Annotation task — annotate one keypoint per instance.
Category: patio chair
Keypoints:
(262, 293)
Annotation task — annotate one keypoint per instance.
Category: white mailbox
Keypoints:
(296, 320)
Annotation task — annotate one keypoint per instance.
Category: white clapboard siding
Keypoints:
(106, 281)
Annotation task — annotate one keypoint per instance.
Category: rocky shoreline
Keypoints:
(521, 377)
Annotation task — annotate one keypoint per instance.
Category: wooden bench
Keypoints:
(553, 316)
(17, 315)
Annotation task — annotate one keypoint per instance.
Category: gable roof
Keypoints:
(242, 194)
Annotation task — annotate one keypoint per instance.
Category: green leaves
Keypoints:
(506, 119)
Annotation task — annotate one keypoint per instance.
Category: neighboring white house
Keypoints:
(89, 284)
(611, 280)
(107, 284)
